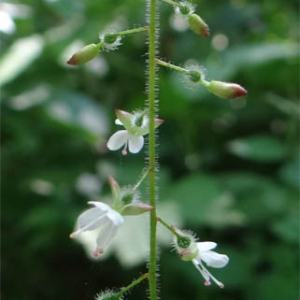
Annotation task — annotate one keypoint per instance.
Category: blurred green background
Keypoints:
(229, 169)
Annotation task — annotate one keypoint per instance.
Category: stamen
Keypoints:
(207, 283)
(97, 252)
(219, 283)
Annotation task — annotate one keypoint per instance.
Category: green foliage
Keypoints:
(229, 168)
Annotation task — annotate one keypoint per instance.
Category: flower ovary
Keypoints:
(194, 76)
(110, 38)
(184, 242)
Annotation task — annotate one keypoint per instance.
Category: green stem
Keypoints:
(182, 70)
(130, 31)
(172, 3)
(152, 148)
(131, 285)
(171, 66)
(161, 221)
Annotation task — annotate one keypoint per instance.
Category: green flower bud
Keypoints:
(84, 55)
(198, 25)
(136, 208)
(226, 90)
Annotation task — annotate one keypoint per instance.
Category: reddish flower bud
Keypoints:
(226, 90)
(198, 25)
(84, 55)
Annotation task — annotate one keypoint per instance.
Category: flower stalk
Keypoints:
(131, 285)
(152, 147)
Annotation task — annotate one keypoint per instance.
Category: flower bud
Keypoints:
(84, 55)
(226, 90)
(136, 208)
(198, 25)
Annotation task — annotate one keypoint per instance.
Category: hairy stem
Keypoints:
(172, 230)
(130, 31)
(152, 148)
(131, 285)
(171, 66)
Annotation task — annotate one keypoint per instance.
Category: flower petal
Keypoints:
(135, 143)
(90, 219)
(100, 205)
(105, 237)
(214, 259)
(117, 140)
(205, 246)
(115, 218)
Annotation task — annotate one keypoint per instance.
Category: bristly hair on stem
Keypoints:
(152, 10)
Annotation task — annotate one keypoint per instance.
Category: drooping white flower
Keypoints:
(190, 250)
(103, 217)
(136, 125)
(212, 259)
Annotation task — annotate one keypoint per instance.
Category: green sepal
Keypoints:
(136, 208)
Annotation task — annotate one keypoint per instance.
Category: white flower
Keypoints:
(124, 138)
(136, 125)
(101, 216)
(212, 259)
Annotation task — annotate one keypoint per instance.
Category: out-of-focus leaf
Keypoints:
(290, 173)
(201, 200)
(258, 148)
(284, 273)
(78, 111)
(257, 196)
(288, 228)
(248, 57)
(19, 57)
